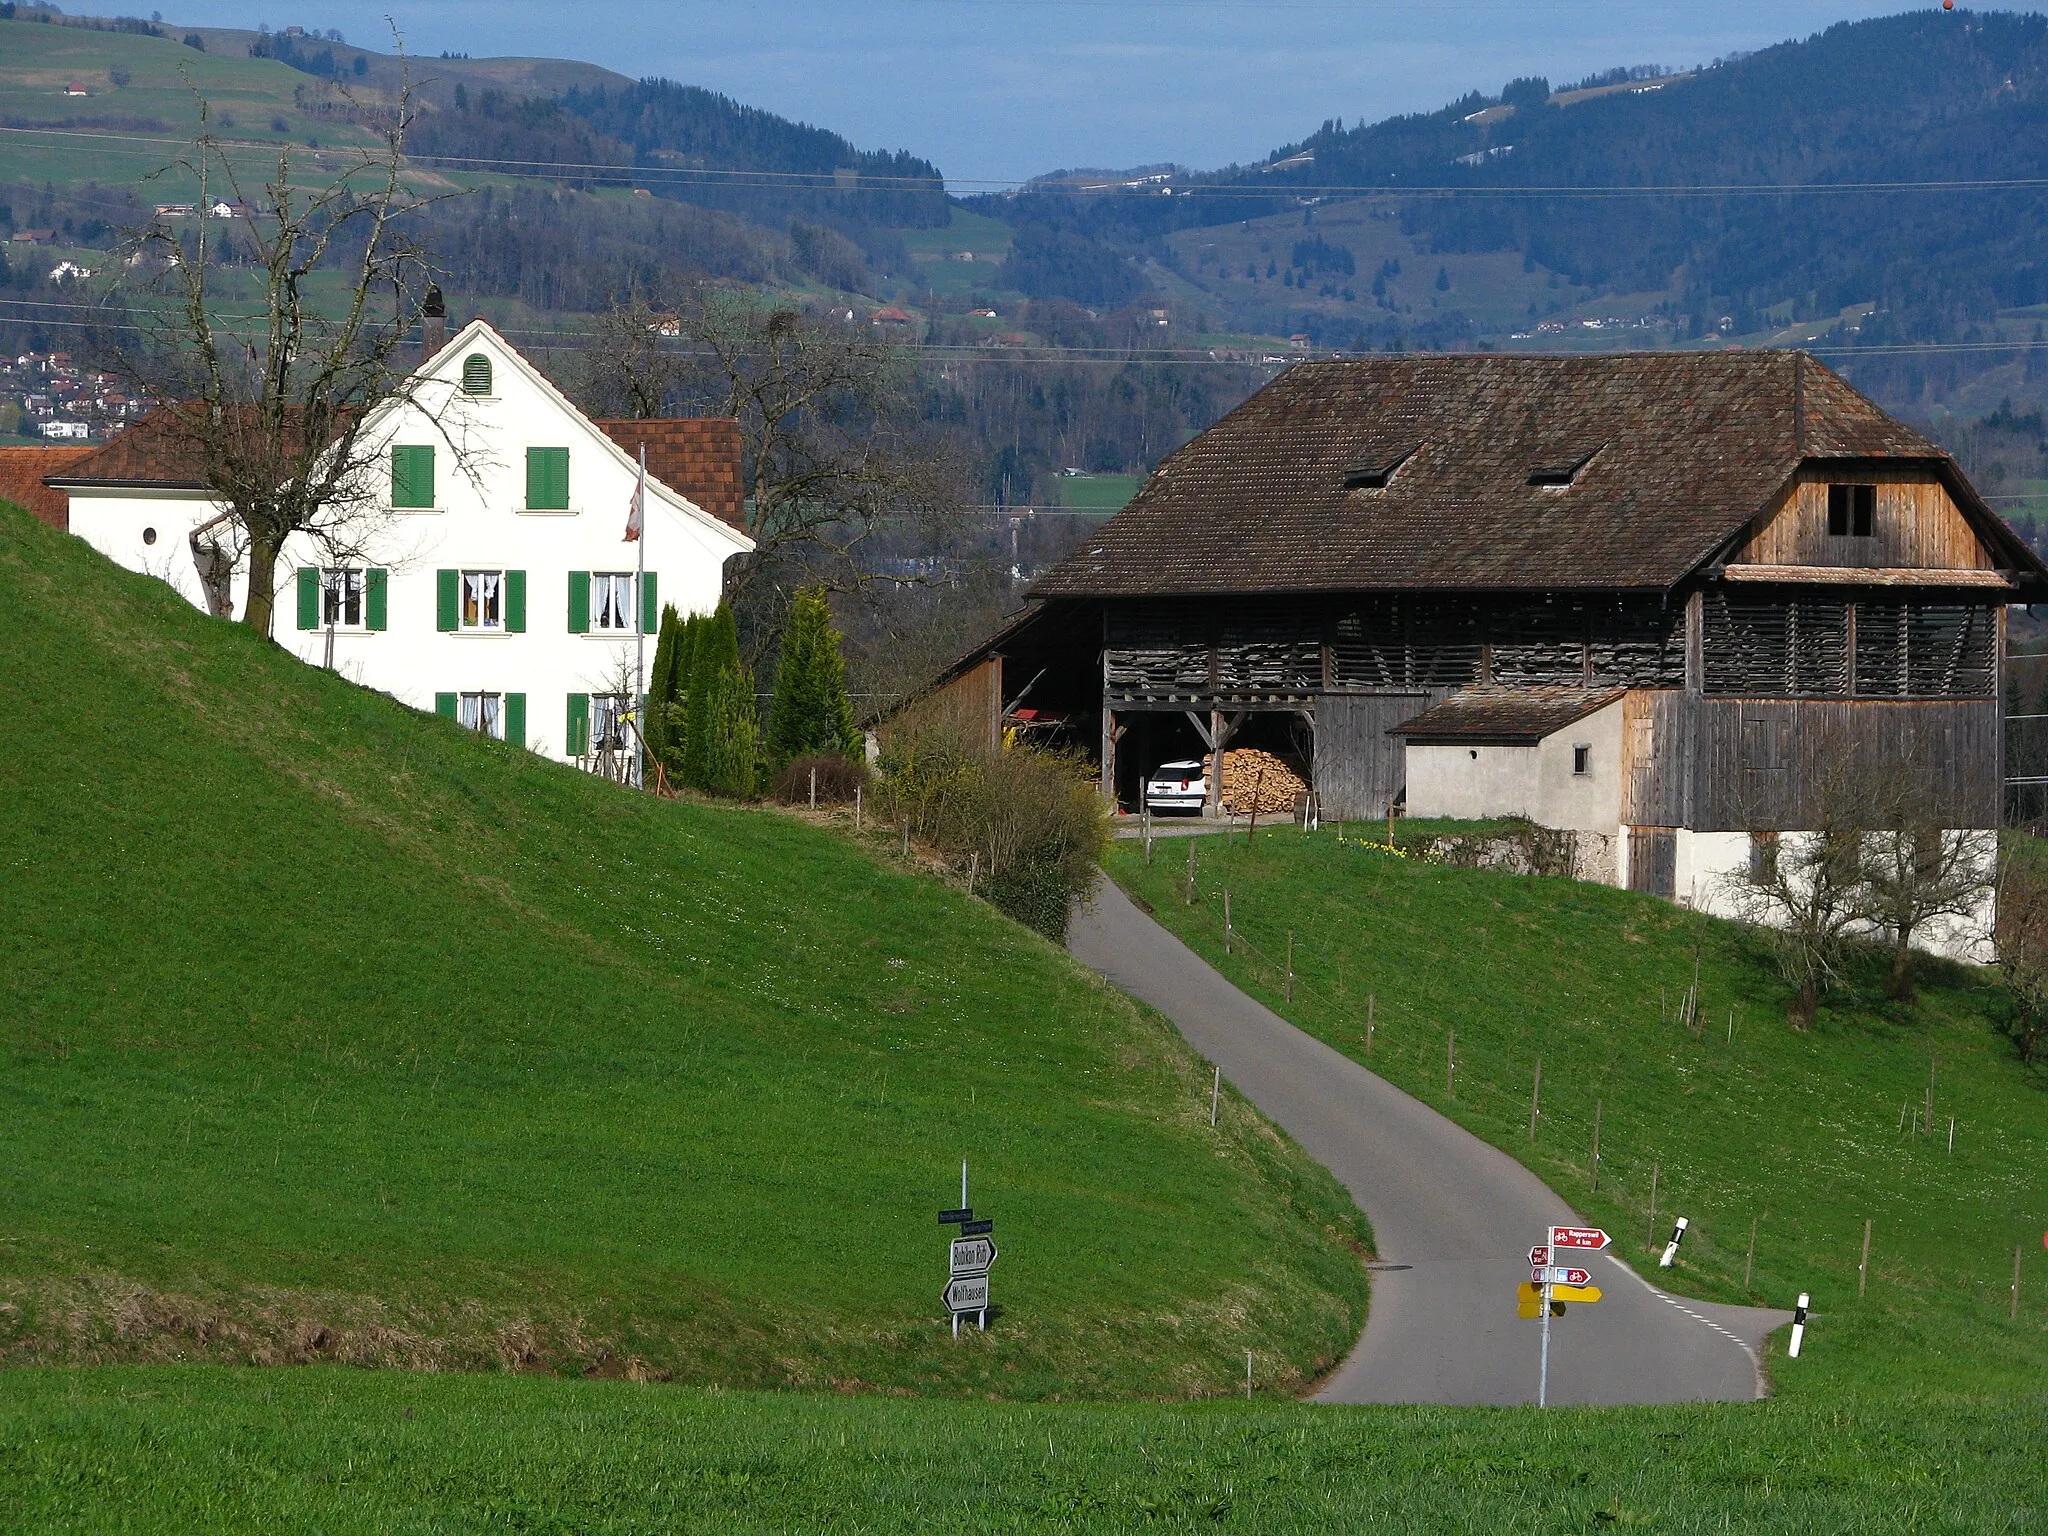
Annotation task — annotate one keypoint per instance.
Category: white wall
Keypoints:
(480, 522)
(1473, 783)
(1711, 866)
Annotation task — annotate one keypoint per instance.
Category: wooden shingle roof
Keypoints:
(1429, 473)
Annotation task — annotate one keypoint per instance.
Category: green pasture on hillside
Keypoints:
(330, 1032)
(202, 1449)
(1744, 1120)
(1097, 493)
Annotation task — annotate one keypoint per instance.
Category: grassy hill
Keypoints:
(333, 1033)
(1743, 1121)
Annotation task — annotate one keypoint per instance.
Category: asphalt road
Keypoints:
(1453, 1218)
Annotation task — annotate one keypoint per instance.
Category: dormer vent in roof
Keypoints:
(1372, 474)
(1558, 475)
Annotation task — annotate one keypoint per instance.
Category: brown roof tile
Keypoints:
(698, 456)
(21, 481)
(1670, 454)
(150, 452)
(1504, 716)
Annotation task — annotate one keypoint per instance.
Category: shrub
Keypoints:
(811, 714)
(668, 689)
(838, 777)
(723, 729)
(1034, 818)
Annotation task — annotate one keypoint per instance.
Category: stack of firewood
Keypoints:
(1258, 781)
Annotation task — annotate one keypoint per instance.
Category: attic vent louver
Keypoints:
(1373, 474)
(1557, 476)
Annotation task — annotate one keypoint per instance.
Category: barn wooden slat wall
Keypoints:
(1768, 643)
(1358, 765)
(1918, 525)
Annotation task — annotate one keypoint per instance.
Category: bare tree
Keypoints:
(1801, 892)
(829, 418)
(270, 406)
(1915, 875)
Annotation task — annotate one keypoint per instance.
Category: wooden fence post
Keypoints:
(1596, 1145)
(1749, 1264)
(1287, 987)
(1863, 1264)
(1655, 1168)
(1451, 1065)
(1368, 1023)
(1536, 1099)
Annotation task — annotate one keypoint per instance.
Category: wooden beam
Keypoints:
(1869, 576)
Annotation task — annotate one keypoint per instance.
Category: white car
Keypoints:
(1180, 786)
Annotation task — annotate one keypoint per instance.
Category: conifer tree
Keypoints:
(724, 732)
(811, 713)
(662, 688)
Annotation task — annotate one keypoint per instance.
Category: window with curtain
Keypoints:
(483, 599)
(483, 713)
(611, 601)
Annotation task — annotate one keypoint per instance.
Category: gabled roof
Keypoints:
(1655, 461)
(693, 465)
(1504, 716)
(21, 480)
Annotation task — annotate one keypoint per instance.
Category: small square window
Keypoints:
(1582, 758)
(1852, 511)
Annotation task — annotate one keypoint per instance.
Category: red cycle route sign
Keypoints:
(1578, 1237)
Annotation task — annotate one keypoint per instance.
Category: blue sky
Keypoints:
(1010, 88)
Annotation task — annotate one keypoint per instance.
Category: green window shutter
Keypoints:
(650, 606)
(579, 602)
(515, 719)
(309, 597)
(515, 602)
(412, 475)
(547, 479)
(447, 600)
(476, 374)
(579, 724)
(376, 602)
(444, 705)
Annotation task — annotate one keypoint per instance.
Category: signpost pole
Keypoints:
(1543, 1371)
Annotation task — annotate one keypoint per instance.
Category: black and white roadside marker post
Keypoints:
(968, 1258)
(1798, 1326)
(1671, 1248)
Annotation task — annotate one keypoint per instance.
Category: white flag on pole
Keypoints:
(639, 507)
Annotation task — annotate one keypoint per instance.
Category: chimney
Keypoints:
(433, 322)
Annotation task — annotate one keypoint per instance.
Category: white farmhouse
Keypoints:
(497, 587)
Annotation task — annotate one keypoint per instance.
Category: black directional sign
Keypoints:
(977, 1228)
(953, 1218)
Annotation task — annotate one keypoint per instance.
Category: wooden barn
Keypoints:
(1663, 600)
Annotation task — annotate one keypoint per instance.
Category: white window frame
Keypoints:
(610, 584)
(483, 713)
(607, 722)
(339, 583)
(489, 606)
